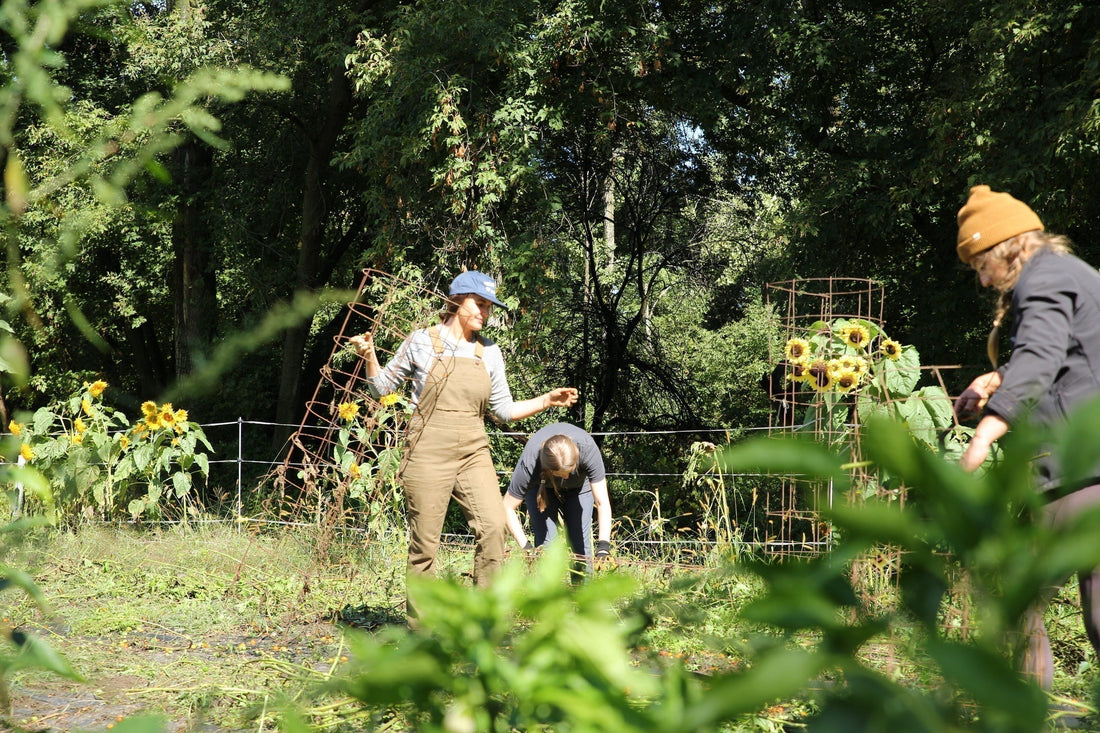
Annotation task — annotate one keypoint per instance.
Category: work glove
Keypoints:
(603, 554)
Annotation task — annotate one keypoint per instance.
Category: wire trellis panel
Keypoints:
(808, 310)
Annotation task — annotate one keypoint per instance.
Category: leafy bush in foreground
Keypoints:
(980, 521)
(531, 651)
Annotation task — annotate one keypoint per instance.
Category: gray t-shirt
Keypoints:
(414, 360)
(527, 474)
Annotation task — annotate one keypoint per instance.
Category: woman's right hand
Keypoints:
(974, 397)
(363, 343)
(364, 346)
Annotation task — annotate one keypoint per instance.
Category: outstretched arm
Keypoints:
(364, 346)
(560, 397)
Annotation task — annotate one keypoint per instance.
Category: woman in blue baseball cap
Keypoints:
(457, 375)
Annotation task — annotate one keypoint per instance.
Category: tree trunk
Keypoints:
(194, 280)
(314, 216)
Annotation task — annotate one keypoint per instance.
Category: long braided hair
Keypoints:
(1014, 252)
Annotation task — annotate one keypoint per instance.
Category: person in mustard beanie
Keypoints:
(1054, 299)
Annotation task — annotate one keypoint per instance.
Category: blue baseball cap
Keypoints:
(476, 283)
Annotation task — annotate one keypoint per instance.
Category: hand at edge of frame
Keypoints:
(603, 555)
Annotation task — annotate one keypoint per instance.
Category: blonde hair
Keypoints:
(1013, 253)
(557, 453)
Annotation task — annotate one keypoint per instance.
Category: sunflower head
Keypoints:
(26, 452)
(797, 349)
(798, 372)
(95, 389)
(347, 411)
(818, 375)
(389, 400)
(79, 426)
(353, 470)
(15, 428)
(891, 349)
(855, 335)
(148, 409)
(845, 381)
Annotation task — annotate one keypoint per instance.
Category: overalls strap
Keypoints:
(437, 345)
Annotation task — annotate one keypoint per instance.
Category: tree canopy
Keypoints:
(635, 174)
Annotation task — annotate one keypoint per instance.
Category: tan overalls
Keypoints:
(448, 455)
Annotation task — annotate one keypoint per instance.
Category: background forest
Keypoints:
(192, 190)
(634, 173)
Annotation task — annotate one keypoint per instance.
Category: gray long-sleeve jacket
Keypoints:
(1055, 338)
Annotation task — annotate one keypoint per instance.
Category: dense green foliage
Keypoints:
(634, 175)
(186, 184)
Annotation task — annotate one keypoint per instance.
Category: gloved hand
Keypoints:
(603, 554)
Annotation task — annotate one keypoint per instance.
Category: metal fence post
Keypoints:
(240, 463)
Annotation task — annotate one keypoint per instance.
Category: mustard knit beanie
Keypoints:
(989, 218)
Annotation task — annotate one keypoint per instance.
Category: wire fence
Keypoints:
(243, 449)
(659, 506)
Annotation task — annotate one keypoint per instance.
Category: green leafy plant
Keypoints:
(20, 649)
(367, 456)
(980, 522)
(101, 465)
(533, 651)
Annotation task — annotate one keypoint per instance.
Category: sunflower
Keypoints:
(86, 408)
(890, 349)
(149, 409)
(79, 426)
(140, 428)
(855, 335)
(797, 349)
(817, 375)
(95, 389)
(835, 367)
(78, 439)
(850, 363)
(348, 411)
(353, 470)
(123, 442)
(845, 381)
(15, 428)
(26, 452)
(390, 400)
(798, 372)
(167, 417)
(181, 415)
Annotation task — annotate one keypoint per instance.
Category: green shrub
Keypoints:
(99, 465)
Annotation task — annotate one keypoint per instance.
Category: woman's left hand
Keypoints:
(991, 428)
